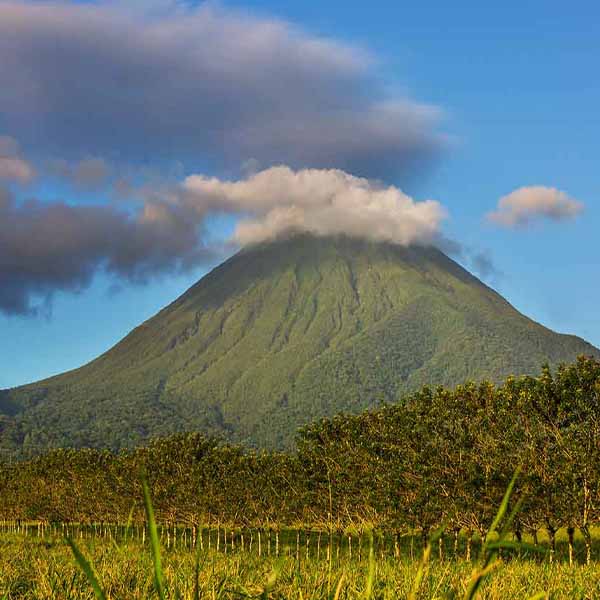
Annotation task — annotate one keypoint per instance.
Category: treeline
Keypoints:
(440, 457)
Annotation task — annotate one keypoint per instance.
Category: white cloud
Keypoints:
(320, 201)
(529, 204)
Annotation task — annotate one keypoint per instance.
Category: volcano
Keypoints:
(283, 333)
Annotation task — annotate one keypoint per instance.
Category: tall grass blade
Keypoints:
(154, 541)
(424, 563)
(511, 519)
(504, 504)
(489, 549)
(338, 589)
(128, 524)
(371, 573)
(86, 567)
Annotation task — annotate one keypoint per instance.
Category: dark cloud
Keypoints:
(13, 167)
(211, 87)
(45, 248)
(480, 262)
(8, 146)
(484, 266)
(85, 174)
(109, 98)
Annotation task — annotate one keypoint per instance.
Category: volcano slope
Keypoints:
(283, 333)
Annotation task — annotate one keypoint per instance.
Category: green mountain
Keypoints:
(283, 333)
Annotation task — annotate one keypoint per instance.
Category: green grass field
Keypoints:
(44, 567)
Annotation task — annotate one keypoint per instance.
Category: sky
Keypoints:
(143, 142)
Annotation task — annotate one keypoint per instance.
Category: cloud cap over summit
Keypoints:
(319, 201)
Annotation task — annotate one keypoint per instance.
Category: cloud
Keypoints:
(478, 261)
(321, 201)
(209, 86)
(483, 264)
(86, 174)
(12, 166)
(529, 204)
(8, 146)
(45, 248)
(111, 98)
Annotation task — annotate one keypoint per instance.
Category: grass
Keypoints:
(87, 568)
(46, 567)
(38, 569)
(58, 567)
(159, 580)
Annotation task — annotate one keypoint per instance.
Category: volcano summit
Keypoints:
(283, 333)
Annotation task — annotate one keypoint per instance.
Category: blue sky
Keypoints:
(517, 96)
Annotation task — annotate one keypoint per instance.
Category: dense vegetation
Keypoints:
(443, 457)
(279, 335)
